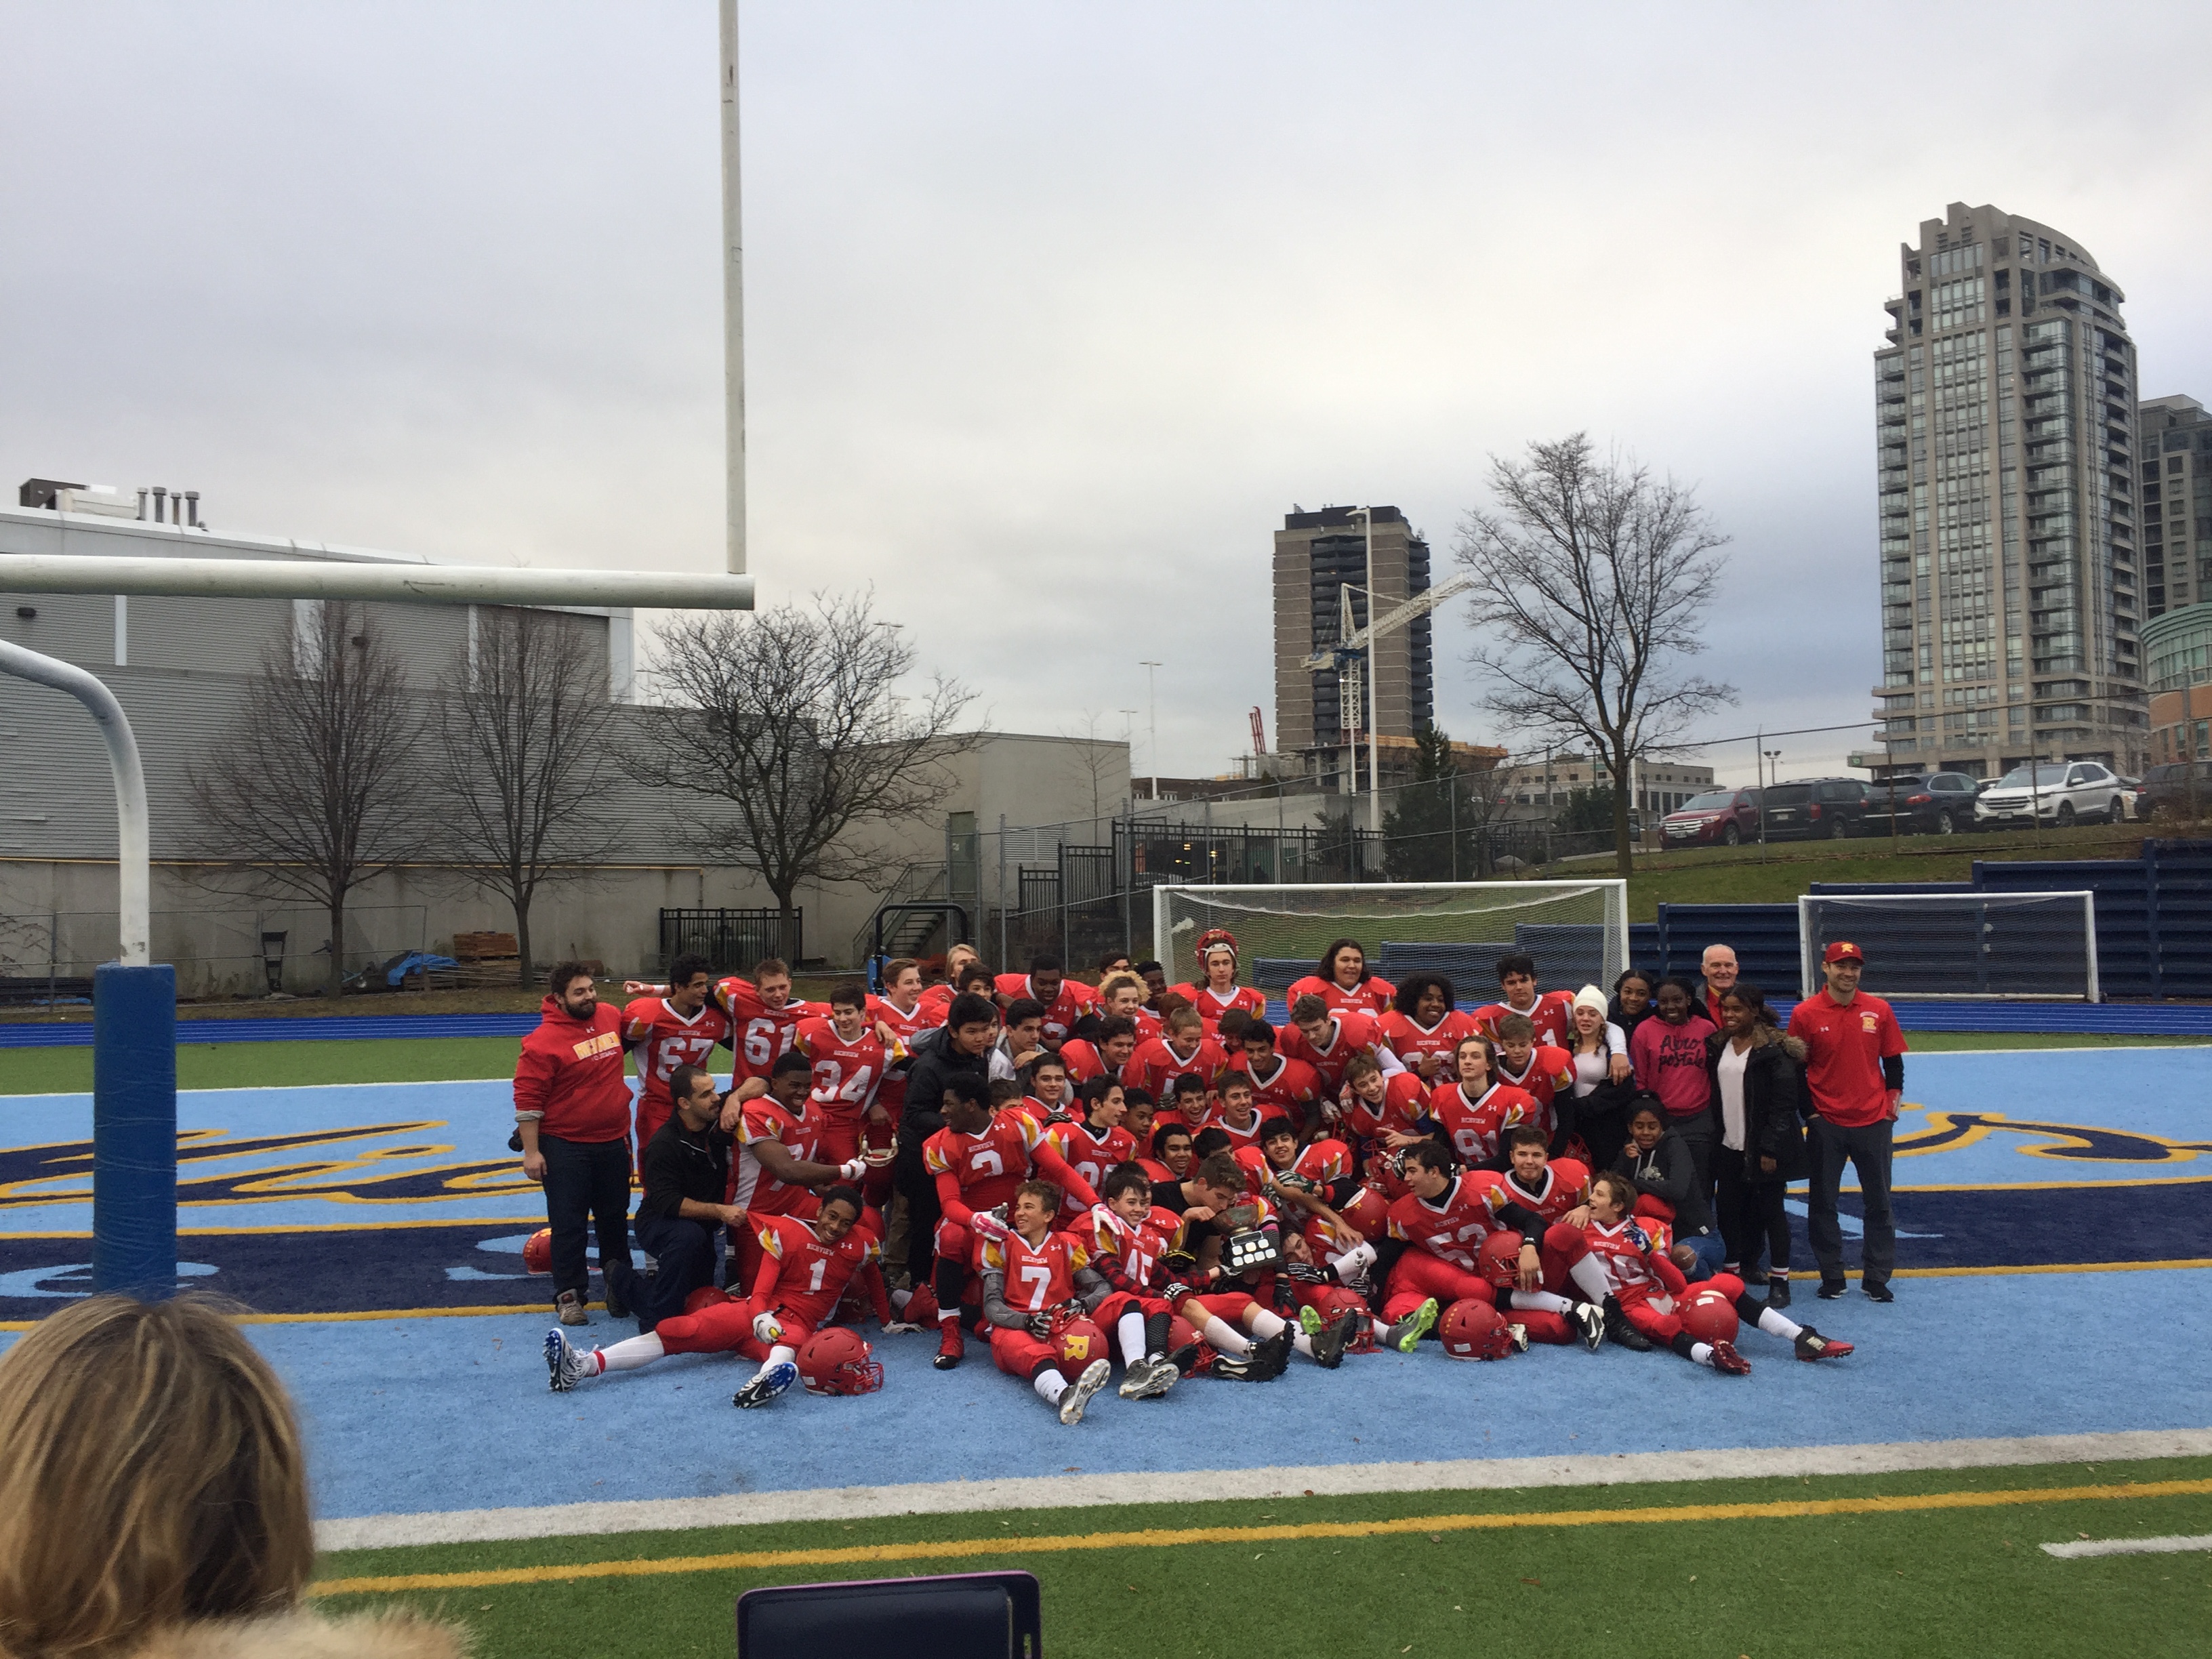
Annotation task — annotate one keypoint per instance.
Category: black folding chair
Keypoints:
(969, 1615)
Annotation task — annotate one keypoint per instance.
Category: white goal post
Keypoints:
(1930, 946)
(1577, 931)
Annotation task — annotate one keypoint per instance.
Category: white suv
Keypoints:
(2055, 792)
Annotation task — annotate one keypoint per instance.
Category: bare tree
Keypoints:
(525, 730)
(319, 787)
(1592, 581)
(1101, 762)
(791, 723)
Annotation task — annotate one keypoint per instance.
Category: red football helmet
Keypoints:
(1708, 1316)
(707, 1296)
(1079, 1342)
(537, 1251)
(1333, 1301)
(836, 1361)
(1500, 1258)
(1473, 1330)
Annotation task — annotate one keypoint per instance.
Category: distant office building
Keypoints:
(2005, 435)
(2178, 646)
(1660, 786)
(1316, 554)
(2175, 436)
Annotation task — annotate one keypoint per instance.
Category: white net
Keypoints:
(1577, 931)
(1956, 944)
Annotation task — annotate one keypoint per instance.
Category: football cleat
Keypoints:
(570, 1366)
(1405, 1336)
(767, 1384)
(1310, 1320)
(1520, 1335)
(1831, 1288)
(951, 1349)
(1238, 1367)
(1811, 1345)
(1149, 1378)
(1729, 1362)
(1778, 1292)
(1271, 1356)
(1078, 1394)
(1880, 1292)
(1591, 1318)
(1618, 1330)
(1185, 1358)
(1330, 1341)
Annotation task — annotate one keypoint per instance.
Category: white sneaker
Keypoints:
(1080, 1391)
(569, 1365)
(766, 1384)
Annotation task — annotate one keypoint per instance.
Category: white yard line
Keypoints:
(1071, 1492)
(2172, 1544)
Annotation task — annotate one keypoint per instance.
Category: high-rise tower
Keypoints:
(2005, 428)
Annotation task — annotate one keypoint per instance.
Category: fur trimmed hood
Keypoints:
(1765, 1037)
(397, 1634)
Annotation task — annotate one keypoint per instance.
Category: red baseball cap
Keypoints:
(1842, 950)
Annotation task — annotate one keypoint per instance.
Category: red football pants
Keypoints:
(1418, 1276)
(724, 1327)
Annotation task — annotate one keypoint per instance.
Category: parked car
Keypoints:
(2131, 797)
(1928, 803)
(1820, 809)
(2053, 792)
(2170, 792)
(1720, 818)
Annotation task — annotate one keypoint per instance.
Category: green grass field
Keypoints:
(1934, 1562)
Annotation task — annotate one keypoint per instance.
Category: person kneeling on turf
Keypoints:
(1045, 1326)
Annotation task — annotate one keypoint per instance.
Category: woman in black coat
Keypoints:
(1758, 1078)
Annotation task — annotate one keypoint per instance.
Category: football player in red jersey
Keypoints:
(1300, 1178)
(779, 1162)
(848, 1064)
(1432, 1257)
(1038, 1287)
(1536, 1069)
(1051, 1095)
(1383, 1105)
(1341, 980)
(1065, 1000)
(1538, 1193)
(1279, 1083)
(1424, 1025)
(1139, 1116)
(1238, 1116)
(1131, 1239)
(1552, 1012)
(899, 1015)
(1106, 1057)
(1171, 1154)
(1476, 1111)
(978, 1160)
(1184, 1050)
(938, 998)
(1328, 1041)
(806, 1267)
(1611, 1248)
(1093, 1142)
(668, 1031)
(1123, 994)
(763, 1018)
(1215, 992)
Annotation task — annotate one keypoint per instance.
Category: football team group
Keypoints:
(1069, 1175)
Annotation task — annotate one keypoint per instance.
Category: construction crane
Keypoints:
(1348, 657)
(1259, 731)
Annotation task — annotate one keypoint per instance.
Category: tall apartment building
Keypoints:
(2175, 442)
(1316, 554)
(2005, 433)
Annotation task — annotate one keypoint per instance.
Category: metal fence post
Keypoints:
(1002, 888)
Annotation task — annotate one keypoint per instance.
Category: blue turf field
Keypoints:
(404, 1196)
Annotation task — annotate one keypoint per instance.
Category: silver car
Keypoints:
(2055, 792)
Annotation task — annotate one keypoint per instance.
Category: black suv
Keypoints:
(1928, 803)
(2169, 792)
(1822, 809)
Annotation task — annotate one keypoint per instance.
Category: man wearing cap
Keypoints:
(1855, 1071)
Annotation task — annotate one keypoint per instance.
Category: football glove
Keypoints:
(854, 1169)
(765, 1328)
(989, 1223)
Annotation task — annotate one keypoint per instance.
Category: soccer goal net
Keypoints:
(1956, 944)
(1577, 931)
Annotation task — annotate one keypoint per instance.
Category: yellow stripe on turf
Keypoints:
(962, 1548)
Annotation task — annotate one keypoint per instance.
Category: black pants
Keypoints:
(922, 1214)
(1702, 1135)
(1865, 1148)
(685, 1252)
(1750, 1211)
(1602, 1125)
(587, 1189)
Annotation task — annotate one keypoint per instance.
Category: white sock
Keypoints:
(1266, 1324)
(782, 1354)
(1382, 1325)
(943, 1314)
(1049, 1385)
(1225, 1337)
(631, 1353)
(1130, 1327)
(1543, 1301)
(1701, 1353)
(1590, 1279)
(1775, 1325)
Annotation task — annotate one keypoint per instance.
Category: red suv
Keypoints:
(1721, 818)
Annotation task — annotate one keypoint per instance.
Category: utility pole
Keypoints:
(733, 301)
(1374, 687)
(1152, 700)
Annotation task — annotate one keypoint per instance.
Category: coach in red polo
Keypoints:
(1855, 1071)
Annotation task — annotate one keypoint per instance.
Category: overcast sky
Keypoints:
(1052, 310)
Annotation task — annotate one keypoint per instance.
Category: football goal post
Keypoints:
(1957, 945)
(1577, 931)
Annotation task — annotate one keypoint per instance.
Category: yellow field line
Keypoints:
(1158, 1538)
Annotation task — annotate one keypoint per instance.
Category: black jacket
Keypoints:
(1670, 1171)
(923, 1115)
(1628, 1023)
(1775, 1102)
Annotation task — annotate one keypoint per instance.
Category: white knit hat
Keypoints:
(1590, 997)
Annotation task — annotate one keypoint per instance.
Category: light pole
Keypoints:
(1366, 517)
(1152, 701)
(734, 302)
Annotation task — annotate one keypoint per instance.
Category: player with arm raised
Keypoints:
(1038, 1289)
(1342, 981)
(978, 1160)
(664, 1032)
(1216, 992)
